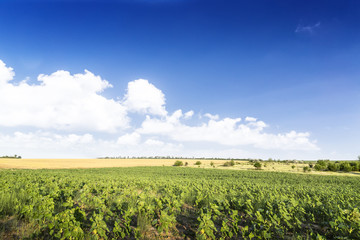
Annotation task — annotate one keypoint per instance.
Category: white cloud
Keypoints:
(154, 142)
(60, 101)
(144, 97)
(189, 114)
(6, 73)
(227, 132)
(250, 119)
(307, 29)
(129, 139)
(212, 117)
(41, 144)
(68, 103)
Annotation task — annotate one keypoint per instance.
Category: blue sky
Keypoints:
(292, 65)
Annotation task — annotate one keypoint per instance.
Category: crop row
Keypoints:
(177, 203)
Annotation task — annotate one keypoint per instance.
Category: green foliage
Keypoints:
(257, 165)
(178, 203)
(15, 156)
(198, 163)
(333, 167)
(206, 227)
(293, 166)
(178, 163)
(306, 169)
(229, 163)
(346, 167)
(321, 165)
(166, 222)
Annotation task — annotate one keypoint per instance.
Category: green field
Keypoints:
(177, 203)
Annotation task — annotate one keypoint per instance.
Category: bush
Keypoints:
(355, 166)
(257, 165)
(229, 164)
(333, 167)
(186, 163)
(212, 163)
(321, 165)
(346, 167)
(198, 163)
(306, 169)
(178, 164)
(293, 166)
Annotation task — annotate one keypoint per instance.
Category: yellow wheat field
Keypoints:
(11, 163)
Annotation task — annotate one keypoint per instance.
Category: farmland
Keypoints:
(176, 203)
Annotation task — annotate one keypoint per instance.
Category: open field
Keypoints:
(91, 163)
(11, 163)
(176, 203)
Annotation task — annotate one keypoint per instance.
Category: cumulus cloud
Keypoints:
(129, 139)
(189, 114)
(250, 119)
(227, 132)
(144, 97)
(154, 142)
(60, 101)
(212, 117)
(6, 73)
(42, 144)
(61, 104)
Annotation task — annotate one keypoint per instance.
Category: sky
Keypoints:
(192, 78)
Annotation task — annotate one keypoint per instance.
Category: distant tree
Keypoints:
(212, 163)
(293, 166)
(229, 163)
(333, 167)
(321, 165)
(354, 166)
(198, 163)
(186, 163)
(359, 157)
(346, 167)
(178, 164)
(306, 169)
(257, 165)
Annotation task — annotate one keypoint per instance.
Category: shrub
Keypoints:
(229, 164)
(198, 163)
(321, 165)
(186, 163)
(293, 166)
(346, 167)
(306, 169)
(355, 166)
(257, 165)
(333, 167)
(178, 164)
(212, 163)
